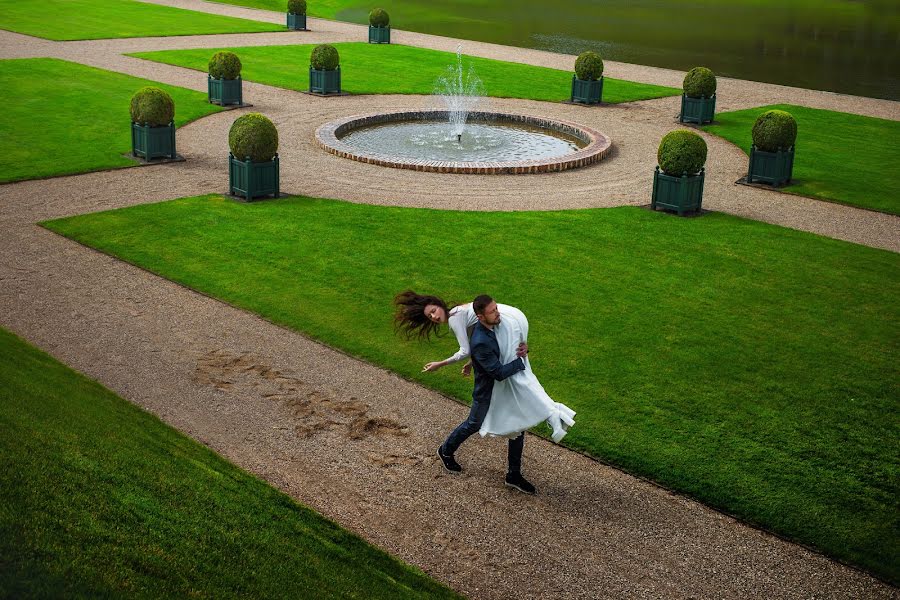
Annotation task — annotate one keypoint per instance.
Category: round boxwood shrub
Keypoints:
(325, 58)
(224, 65)
(588, 66)
(253, 135)
(152, 106)
(681, 152)
(699, 82)
(297, 7)
(379, 18)
(774, 130)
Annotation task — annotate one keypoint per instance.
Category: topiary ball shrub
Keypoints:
(325, 58)
(379, 18)
(225, 65)
(774, 130)
(152, 106)
(297, 7)
(253, 135)
(681, 152)
(588, 66)
(699, 82)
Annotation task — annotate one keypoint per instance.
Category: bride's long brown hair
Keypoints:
(410, 319)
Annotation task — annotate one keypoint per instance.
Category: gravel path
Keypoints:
(351, 440)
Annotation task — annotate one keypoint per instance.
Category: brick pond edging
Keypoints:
(598, 145)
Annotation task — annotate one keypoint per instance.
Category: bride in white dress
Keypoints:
(519, 402)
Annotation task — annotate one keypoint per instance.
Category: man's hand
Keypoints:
(432, 366)
(467, 369)
(522, 350)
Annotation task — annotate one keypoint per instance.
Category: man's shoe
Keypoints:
(449, 462)
(515, 480)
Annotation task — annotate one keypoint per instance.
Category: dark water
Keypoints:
(841, 46)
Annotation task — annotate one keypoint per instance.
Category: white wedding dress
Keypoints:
(519, 402)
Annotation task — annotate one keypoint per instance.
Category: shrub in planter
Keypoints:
(296, 15)
(224, 84)
(772, 153)
(679, 177)
(325, 70)
(379, 27)
(152, 126)
(698, 102)
(253, 167)
(587, 82)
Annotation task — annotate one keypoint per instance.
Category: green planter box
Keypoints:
(296, 22)
(253, 179)
(586, 91)
(682, 194)
(775, 168)
(153, 142)
(225, 91)
(697, 110)
(379, 35)
(325, 82)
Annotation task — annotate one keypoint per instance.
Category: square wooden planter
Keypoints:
(253, 179)
(325, 82)
(153, 142)
(697, 110)
(586, 91)
(682, 194)
(379, 35)
(225, 91)
(775, 168)
(296, 22)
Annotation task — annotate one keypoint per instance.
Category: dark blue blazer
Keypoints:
(486, 361)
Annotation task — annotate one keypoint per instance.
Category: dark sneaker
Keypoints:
(515, 480)
(449, 462)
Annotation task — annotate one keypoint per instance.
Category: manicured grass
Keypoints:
(840, 157)
(394, 69)
(101, 19)
(62, 118)
(751, 366)
(101, 499)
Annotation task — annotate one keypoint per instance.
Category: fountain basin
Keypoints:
(529, 144)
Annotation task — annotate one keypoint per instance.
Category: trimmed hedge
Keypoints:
(589, 66)
(325, 57)
(774, 130)
(225, 65)
(699, 82)
(681, 152)
(297, 7)
(253, 135)
(152, 106)
(379, 18)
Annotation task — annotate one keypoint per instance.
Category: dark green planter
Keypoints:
(325, 82)
(253, 179)
(225, 91)
(379, 35)
(682, 194)
(153, 142)
(586, 91)
(775, 168)
(697, 110)
(296, 22)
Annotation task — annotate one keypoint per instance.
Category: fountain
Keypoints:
(460, 138)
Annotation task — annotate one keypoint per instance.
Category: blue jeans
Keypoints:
(472, 425)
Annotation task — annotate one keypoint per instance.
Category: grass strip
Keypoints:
(840, 157)
(751, 366)
(99, 498)
(395, 69)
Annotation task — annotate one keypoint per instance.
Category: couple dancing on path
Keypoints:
(507, 398)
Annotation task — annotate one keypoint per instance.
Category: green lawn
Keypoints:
(99, 498)
(751, 366)
(100, 19)
(840, 157)
(395, 69)
(64, 118)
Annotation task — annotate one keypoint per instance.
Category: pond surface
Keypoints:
(844, 46)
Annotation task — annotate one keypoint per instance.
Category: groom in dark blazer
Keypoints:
(486, 360)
